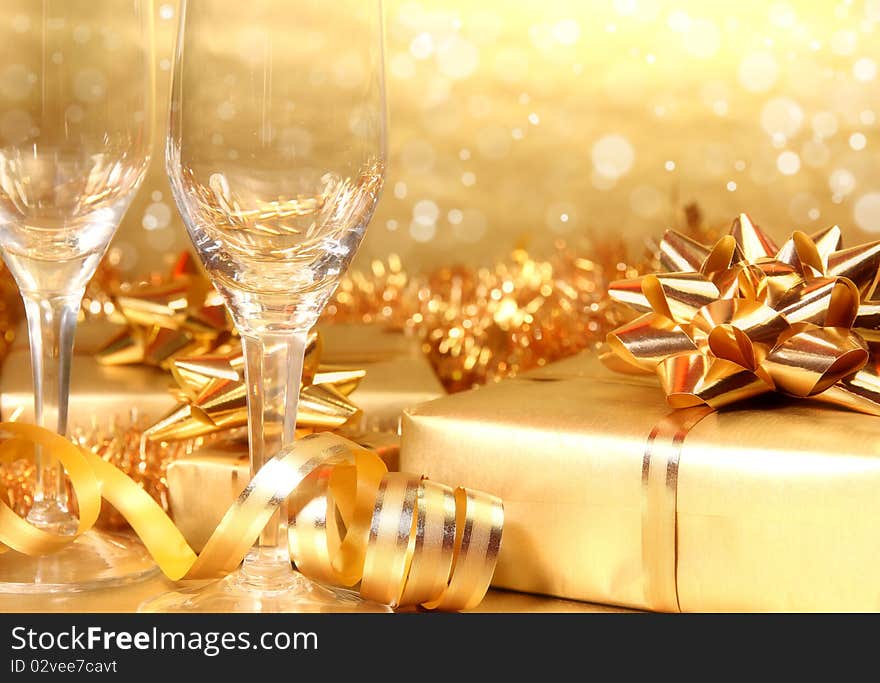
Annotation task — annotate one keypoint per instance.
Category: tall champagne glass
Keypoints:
(76, 92)
(276, 155)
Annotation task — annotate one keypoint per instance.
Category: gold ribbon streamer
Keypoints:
(407, 540)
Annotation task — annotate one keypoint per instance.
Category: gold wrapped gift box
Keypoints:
(203, 485)
(398, 376)
(771, 505)
(97, 392)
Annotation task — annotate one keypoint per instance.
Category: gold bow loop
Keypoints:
(180, 324)
(746, 317)
(167, 318)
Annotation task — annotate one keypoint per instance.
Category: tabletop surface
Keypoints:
(127, 598)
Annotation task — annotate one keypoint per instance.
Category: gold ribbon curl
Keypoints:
(405, 539)
(749, 317)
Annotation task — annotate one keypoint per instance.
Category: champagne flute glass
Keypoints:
(76, 93)
(276, 156)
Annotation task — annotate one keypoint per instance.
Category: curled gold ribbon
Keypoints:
(746, 317)
(405, 539)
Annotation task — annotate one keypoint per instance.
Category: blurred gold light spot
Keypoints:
(426, 212)
(422, 232)
(782, 116)
(824, 124)
(567, 32)
(613, 156)
(758, 71)
(865, 69)
(866, 212)
(858, 141)
(842, 181)
(844, 43)
(647, 201)
(679, 21)
(788, 163)
(815, 153)
(602, 182)
(702, 39)
(422, 46)
(458, 59)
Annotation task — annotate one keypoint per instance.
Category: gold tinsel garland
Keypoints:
(480, 325)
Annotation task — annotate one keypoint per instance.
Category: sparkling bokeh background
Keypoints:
(520, 122)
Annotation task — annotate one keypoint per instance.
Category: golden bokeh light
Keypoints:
(518, 122)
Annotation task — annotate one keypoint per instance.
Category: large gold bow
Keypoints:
(180, 324)
(744, 317)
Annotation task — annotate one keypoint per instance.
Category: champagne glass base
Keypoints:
(290, 592)
(93, 561)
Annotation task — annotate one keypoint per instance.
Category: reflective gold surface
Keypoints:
(776, 499)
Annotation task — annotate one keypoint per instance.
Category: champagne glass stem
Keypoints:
(273, 372)
(51, 326)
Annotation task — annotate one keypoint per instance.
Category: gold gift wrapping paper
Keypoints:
(398, 374)
(98, 393)
(776, 500)
(203, 485)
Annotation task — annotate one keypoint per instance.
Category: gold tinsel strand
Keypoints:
(479, 325)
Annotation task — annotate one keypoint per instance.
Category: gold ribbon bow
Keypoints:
(744, 317)
(181, 315)
(213, 395)
(180, 324)
(404, 539)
